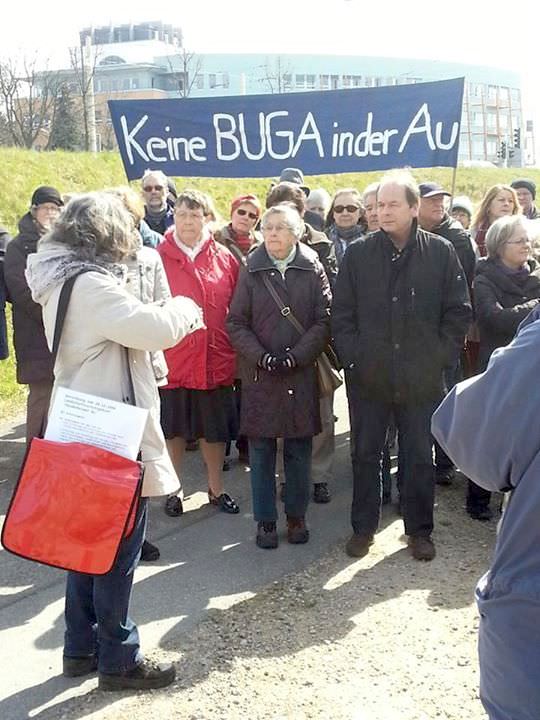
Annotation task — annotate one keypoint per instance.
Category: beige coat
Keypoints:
(102, 320)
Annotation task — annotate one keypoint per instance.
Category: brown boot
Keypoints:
(358, 545)
(422, 547)
(297, 532)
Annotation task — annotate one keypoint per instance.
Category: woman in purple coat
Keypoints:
(280, 397)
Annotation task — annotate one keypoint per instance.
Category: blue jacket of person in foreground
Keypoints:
(489, 425)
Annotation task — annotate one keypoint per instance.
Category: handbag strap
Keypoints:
(285, 310)
(63, 302)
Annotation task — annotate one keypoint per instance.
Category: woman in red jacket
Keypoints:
(198, 401)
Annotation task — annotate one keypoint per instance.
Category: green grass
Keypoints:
(21, 171)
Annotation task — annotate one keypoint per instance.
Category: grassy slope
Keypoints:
(21, 171)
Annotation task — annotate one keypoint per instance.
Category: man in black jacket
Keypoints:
(5, 237)
(34, 360)
(401, 310)
(434, 218)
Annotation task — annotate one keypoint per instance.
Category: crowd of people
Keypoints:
(216, 327)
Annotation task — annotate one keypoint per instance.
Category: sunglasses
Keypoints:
(349, 208)
(251, 216)
(149, 188)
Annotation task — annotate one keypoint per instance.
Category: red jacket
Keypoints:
(205, 359)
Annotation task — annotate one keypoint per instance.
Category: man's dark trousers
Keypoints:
(369, 422)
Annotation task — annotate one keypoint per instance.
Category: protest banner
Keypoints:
(334, 131)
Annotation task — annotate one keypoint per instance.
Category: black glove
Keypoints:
(268, 362)
(285, 363)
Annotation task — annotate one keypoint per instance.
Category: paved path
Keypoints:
(208, 560)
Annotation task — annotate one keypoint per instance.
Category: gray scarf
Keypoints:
(55, 263)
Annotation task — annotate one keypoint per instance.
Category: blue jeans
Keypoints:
(297, 466)
(97, 607)
(369, 423)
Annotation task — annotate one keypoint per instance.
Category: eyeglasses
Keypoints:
(251, 216)
(349, 208)
(149, 188)
(521, 241)
(278, 227)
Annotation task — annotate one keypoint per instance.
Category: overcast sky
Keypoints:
(468, 31)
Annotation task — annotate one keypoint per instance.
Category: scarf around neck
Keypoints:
(54, 263)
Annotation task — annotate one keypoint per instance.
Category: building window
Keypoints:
(135, 84)
(310, 81)
(126, 84)
(300, 81)
(199, 81)
(492, 92)
(225, 79)
(212, 81)
(324, 82)
(334, 82)
(357, 81)
(287, 80)
(478, 119)
(346, 81)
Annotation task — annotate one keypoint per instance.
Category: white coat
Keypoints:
(102, 320)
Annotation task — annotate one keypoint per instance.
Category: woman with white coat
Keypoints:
(107, 338)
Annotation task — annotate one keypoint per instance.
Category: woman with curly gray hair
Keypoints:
(107, 338)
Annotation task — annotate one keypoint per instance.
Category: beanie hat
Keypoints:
(462, 202)
(526, 183)
(295, 176)
(46, 194)
(251, 199)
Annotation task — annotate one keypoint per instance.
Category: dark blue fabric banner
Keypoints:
(333, 131)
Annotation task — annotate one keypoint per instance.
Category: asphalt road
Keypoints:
(208, 560)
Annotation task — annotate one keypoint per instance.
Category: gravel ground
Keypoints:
(380, 638)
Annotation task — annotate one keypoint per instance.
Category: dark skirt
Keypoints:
(192, 414)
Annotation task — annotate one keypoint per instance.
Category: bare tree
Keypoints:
(83, 67)
(28, 96)
(277, 75)
(185, 67)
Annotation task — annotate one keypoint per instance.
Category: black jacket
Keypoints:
(34, 360)
(5, 237)
(501, 302)
(397, 322)
(324, 248)
(452, 230)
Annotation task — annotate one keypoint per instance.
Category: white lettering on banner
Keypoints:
(225, 127)
(309, 122)
(177, 147)
(271, 138)
(364, 143)
(128, 138)
(227, 135)
(426, 129)
(278, 133)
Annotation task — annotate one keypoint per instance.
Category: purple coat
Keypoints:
(280, 405)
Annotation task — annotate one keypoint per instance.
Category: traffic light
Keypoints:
(510, 152)
(502, 151)
(517, 137)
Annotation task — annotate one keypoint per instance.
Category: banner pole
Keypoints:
(452, 189)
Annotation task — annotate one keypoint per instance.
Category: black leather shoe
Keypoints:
(445, 477)
(149, 552)
(144, 676)
(484, 514)
(78, 666)
(173, 506)
(321, 494)
(224, 502)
